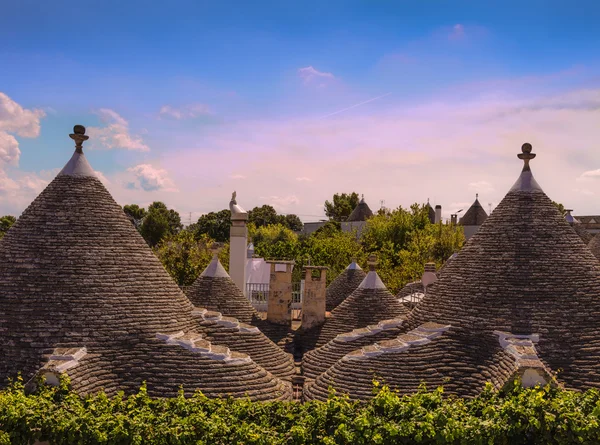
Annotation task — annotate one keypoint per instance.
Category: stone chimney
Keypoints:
(438, 214)
(313, 301)
(238, 238)
(279, 306)
(430, 267)
(454, 219)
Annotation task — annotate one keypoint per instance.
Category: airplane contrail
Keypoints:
(355, 105)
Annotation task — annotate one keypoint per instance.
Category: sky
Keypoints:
(289, 102)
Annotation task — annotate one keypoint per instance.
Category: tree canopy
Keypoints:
(214, 225)
(6, 223)
(185, 255)
(135, 213)
(159, 223)
(560, 207)
(266, 215)
(341, 206)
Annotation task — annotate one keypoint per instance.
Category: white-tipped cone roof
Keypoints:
(78, 165)
(353, 265)
(215, 269)
(372, 281)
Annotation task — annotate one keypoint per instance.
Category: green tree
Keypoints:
(330, 247)
(214, 224)
(342, 206)
(6, 223)
(292, 222)
(560, 207)
(264, 215)
(185, 256)
(159, 223)
(274, 242)
(405, 240)
(135, 213)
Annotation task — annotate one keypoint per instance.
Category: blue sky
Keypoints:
(290, 102)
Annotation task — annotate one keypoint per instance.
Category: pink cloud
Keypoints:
(115, 134)
(309, 74)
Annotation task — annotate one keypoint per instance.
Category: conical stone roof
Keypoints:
(215, 290)
(369, 304)
(242, 337)
(585, 236)
(594, 246)
(319, 360)
(522, 296)
(343, 285)
(74, 273)
(361, 212)
(475, 216)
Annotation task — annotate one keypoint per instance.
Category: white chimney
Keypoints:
(238, 240)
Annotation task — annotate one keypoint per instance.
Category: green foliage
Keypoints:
(159, 223)
(6, 223)
(185, 256)
(262, 216)
(342, 206)
(215, 225)
(292, 222)
(274, 242)
(541, 415)
(560, 207)
(330, 247)
(266, 215)
(404, 240)
(135, 213)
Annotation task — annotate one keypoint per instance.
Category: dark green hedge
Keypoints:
(519, 416)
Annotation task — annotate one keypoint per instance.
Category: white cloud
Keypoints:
(150, 178)
(17, 120)
(116, 133)
(17, 192)
(303, 179)
(237, 176)
(310, 74)
(9, 149)
(185, 112)
(589, 175)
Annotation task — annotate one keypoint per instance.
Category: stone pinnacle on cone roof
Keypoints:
(78, 164)
(79, 137)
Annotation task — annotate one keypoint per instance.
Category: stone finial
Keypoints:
(526, 154)
(233, 196)
(79, 137)
(372, 262)
(216, 248)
